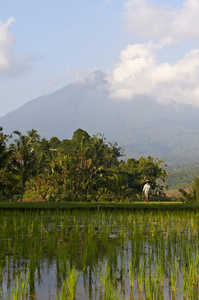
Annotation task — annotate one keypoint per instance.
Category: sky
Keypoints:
(145, 47)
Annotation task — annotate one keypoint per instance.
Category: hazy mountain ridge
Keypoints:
(141, 126)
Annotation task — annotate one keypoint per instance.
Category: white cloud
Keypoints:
(6, 44)
(10, 64)
(148, 21)
(140, 73)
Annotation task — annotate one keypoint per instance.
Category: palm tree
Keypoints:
(192, 195)
(25, 162)
(120, 186)
(4, 157)
(3, 148)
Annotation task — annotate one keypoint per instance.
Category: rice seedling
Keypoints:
(162, 272)
(109, 289)
(155, 249)
(69, 286)
(140, 275)
(132, 272)
(174, 275)
(20, 287)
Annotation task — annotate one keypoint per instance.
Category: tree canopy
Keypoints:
(84, 168)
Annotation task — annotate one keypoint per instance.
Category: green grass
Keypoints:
(82, 205)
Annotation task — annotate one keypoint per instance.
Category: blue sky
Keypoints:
(146, 47)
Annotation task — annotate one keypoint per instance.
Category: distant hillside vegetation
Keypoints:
(181, 175)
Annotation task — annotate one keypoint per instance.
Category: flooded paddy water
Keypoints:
(105, 254)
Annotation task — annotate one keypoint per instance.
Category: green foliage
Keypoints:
(8, 182)
(79, 134)
(81, 169)
(119, 184)
(192, 195)
(196, 186)
(3, 148)
(66, 146)
(144, 168)
(181, 175)
(54, 142)
(24, 158)
(187, 197)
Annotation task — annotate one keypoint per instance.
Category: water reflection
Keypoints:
(129, 255)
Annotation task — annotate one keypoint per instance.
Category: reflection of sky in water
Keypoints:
(46, 287)
(113, 240)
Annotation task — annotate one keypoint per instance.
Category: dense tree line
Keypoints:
(84, 168)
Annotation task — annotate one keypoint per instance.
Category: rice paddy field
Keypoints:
(99, 254)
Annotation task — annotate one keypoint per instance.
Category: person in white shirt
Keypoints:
(146, 190)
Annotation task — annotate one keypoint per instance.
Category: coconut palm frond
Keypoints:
(188, 197)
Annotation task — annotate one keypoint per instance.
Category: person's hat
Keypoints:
(147, 181)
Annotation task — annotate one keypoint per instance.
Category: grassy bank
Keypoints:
(96, 206)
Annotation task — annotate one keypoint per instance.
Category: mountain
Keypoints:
(141, 126)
